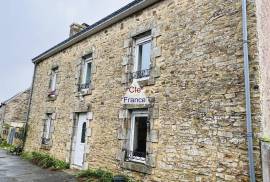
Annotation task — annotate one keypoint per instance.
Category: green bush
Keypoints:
(102, 175)
(99, 175)
(44, 160)
(5, 145)
(58, 164)
(27, 156)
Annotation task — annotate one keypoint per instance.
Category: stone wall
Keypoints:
(14, 111)
(2, 111)
(265, 147)
(198, 113)
(16, 108)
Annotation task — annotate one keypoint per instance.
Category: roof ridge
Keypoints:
(14, 96)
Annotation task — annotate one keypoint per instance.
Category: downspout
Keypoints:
(247, 93)
(29, 106)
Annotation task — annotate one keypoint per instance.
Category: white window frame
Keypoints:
(47, 124)
(139, 42)
(85, 67)
(135, 114)
(53, 80)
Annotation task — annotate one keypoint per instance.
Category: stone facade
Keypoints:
(13, 113)
(196, 128)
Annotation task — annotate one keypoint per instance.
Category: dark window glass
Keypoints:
(83, 132)
(140, 133)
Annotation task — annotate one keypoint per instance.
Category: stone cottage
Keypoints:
(156, 90)
(13, 114)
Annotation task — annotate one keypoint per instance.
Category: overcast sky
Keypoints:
(29, 27)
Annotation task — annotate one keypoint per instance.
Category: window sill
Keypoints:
(141, 79)
(147, 81)
(45, 147)
(84, 92)
(137, 166)
(51, 97)
(136, 161)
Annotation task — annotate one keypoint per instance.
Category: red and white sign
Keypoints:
(135, 95)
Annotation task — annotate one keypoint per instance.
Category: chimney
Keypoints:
(76, 28)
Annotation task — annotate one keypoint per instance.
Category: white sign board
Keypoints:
(135, 95)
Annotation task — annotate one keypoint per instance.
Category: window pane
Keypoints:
(140, 133)
(144, 56)
(83, 133)
(47, 126)
(88, 73)
(53, 82)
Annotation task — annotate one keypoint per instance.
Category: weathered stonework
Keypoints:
(13, 113)
(197, 126)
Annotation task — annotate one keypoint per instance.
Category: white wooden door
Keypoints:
(80, 140)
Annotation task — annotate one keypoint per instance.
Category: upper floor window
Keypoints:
(53, 79)
(142, 57)
(86, 73)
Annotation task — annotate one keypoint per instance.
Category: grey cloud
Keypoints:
(29, 27)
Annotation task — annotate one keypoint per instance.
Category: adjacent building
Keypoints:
(156, 90)
(13, 114)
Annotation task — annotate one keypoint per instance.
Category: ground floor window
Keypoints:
(47, 129)
(138, 135)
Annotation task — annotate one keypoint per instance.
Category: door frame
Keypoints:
(73, 141)
(134, 114)
(11, 135)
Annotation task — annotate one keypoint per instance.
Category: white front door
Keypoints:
(80, 140)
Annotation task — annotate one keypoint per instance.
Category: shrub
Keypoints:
(58, 164)
(44, 160)
(27, 156)
(100, 175)
(5, 145)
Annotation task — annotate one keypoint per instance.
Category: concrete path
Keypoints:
(13, 169)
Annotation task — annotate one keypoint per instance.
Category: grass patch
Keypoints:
(44, 160)
(99, 175)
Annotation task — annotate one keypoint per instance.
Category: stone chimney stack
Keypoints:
(76, 28)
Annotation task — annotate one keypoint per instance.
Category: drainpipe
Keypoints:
(29, 106)
(247, 93)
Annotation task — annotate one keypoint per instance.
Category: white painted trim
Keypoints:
(74, 139)
(53, 81)
(85, 67)
(48, 126)
(135, 114)
(139, 42)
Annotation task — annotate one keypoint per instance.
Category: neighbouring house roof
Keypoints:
(14, 97)
(113, 18)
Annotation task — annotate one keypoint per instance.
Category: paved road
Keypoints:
(13, 169)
